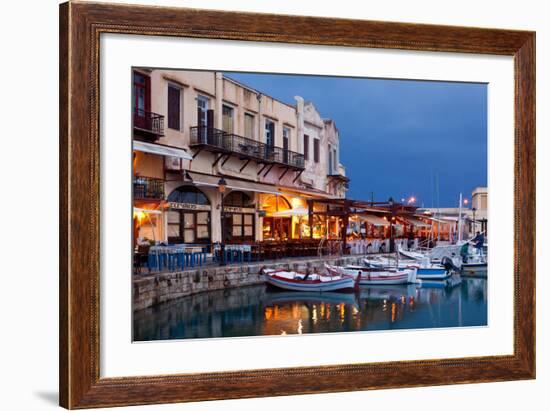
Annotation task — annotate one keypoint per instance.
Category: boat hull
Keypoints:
(474, 269)
(433, 273)
(368, 277)
(341, 284)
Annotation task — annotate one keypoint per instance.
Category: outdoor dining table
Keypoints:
(235, 252)
(175, 257)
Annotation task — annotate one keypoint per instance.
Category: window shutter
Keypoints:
(306, 147)
(316, 150)
(174, 108)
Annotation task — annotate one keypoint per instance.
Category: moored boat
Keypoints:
(425, 270)
(374, 276)
(475, 264)
(475, 268)
(433, 273)
(295, 281)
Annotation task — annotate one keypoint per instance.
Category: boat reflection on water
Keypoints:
(255, 310)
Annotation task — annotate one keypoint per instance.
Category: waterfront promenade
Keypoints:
(150, 289)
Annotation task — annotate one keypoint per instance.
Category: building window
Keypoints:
(238, 199)
(286, 144)
(335, 161)
(202, 106)
(227, 113)
(142, 92)
(306, 147)
(275, 227)
(330, 168)
(286, 137)
(269, 132)
(142, 101)
(188, 195)
(174, 107)
(249, 126)
(242, 227)
(239, 223)
(316, 150)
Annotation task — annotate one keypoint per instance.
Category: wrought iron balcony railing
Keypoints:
(149, 123)
(247, 148)
(148, 188)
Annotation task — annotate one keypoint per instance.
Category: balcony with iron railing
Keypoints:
(148, 188)
(147, 125)
(216, 140)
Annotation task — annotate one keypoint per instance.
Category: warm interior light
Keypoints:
(139, 215)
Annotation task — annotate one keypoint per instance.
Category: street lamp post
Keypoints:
(221, 188)
(392, 241)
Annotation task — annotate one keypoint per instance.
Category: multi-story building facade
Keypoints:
(201, 138)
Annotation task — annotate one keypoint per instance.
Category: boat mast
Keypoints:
(438, 209)
(460, 218)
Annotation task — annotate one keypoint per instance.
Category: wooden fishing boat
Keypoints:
(374, 276)
(295, 281)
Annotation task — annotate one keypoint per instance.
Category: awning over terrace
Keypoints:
(416, 222)
(161, 150)
(374, 220)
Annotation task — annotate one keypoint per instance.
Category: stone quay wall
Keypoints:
(155, 288)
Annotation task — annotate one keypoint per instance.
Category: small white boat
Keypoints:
(374, 276)
(425, 270)
(295, 281)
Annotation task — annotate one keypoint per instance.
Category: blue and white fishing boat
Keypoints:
(429, 271)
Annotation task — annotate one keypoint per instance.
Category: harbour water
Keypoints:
(257, 310)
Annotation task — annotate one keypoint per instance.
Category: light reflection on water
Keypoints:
(255, 310)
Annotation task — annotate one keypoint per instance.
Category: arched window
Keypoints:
(188, 195)
(238, 199)
(275, 203)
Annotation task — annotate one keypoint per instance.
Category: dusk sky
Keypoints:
(397, 137)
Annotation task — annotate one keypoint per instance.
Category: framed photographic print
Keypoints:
(257, 205)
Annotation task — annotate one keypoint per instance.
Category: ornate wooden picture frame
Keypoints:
(81, 25)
